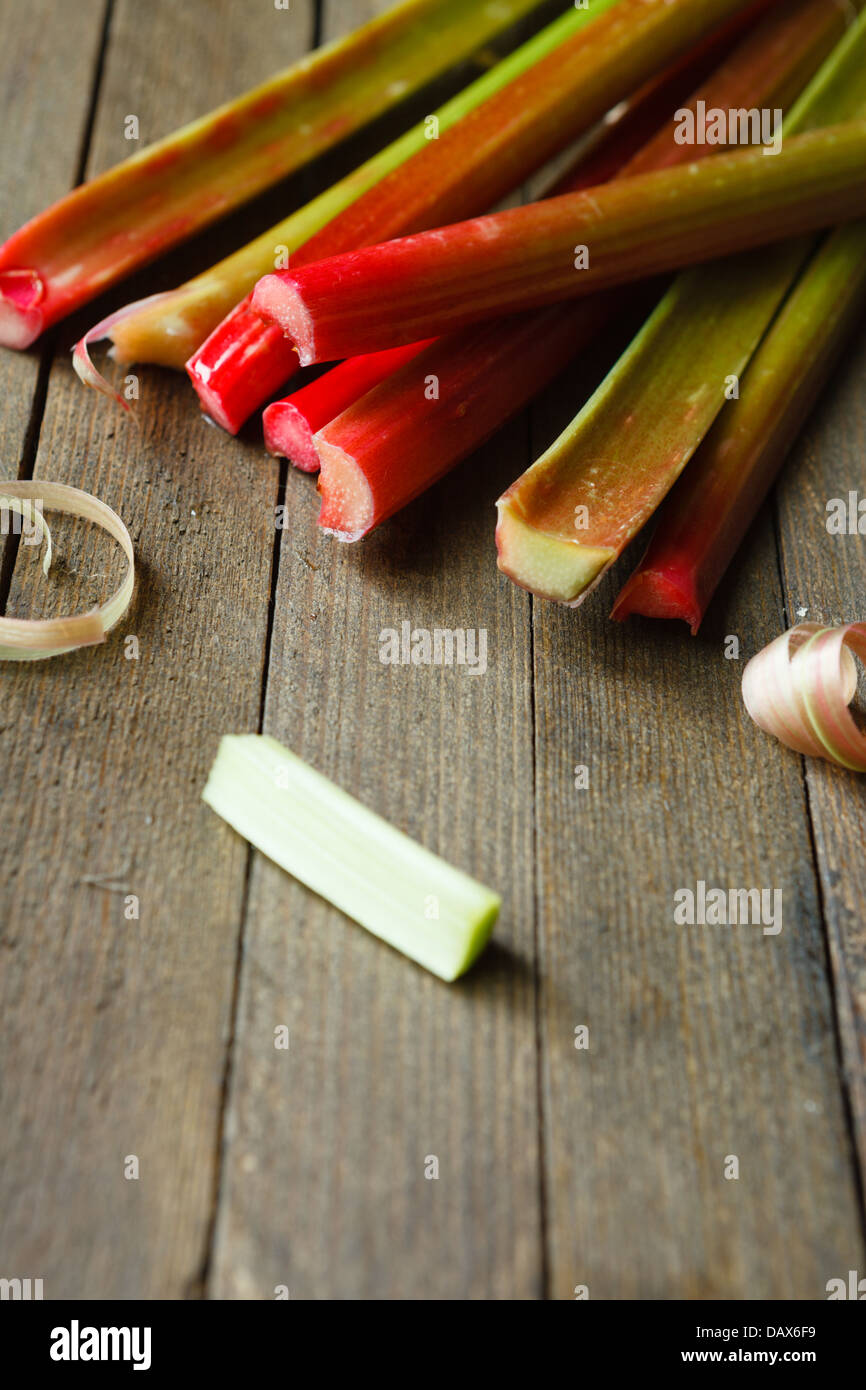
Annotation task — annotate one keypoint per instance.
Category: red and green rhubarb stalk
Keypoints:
(795, 40)
(161, 196)
(167, 328)
(567, 248)
(569, 517)
(290, 424)
(399, 440)
(470, 167)
(716, 500)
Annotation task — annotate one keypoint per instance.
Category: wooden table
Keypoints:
(304, 1168)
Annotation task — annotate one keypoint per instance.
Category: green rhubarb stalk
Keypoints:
(569, 517)
(167, 328)
(565, 248)
(167, 192)
(715, 501)
(347, 854)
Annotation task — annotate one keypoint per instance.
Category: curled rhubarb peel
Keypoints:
(82, 361)
(800, 687)
(25, 639)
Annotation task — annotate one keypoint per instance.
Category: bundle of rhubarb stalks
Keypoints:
(720, 178)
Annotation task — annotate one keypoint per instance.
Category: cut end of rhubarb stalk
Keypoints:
(552, 568)
(347, 502)
(21, 319)
(655, 595)
(277, 301)
(288, 435)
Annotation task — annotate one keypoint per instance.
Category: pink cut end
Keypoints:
(21, 321)
(277, 301)
(347, 502)
(288, 435)
(653, 595)
(213, 404)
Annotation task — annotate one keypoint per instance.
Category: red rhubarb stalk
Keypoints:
(394, 444)
(291, 423)
(566, 248)
(470, 167)
(715, 501)
(376, 458)
(133, 213)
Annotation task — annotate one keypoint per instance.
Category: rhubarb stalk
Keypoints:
(570, 515)
(347, 854)
(401, 438)
(567, 248)
(715, 501)
(469, 168)
(167, 192)
(240, 366)
(290, 424)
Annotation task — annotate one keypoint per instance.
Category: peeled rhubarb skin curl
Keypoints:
(799, 689)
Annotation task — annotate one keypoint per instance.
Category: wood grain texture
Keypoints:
(824, 575)
(305, 1168)
(46, 116)
(324, 1188)
(115, 1028)
(324, 1185)
(705, 1041)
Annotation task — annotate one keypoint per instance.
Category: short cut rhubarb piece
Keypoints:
(399, 891)
(404, 436)
(718, 497)
(290, 424)
(573, 512)
(168, 328)
(161, 196)
(604, 52)
(566, 248)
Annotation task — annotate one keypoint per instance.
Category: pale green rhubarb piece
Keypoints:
(399, 891)
(570, 516)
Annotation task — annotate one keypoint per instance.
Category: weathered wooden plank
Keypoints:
(44, 117)
(324, 1187)
(704, 1041)
(823, 574)
(117, 1028)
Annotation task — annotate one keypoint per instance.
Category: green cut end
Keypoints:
(347, 854)
(563, 571)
